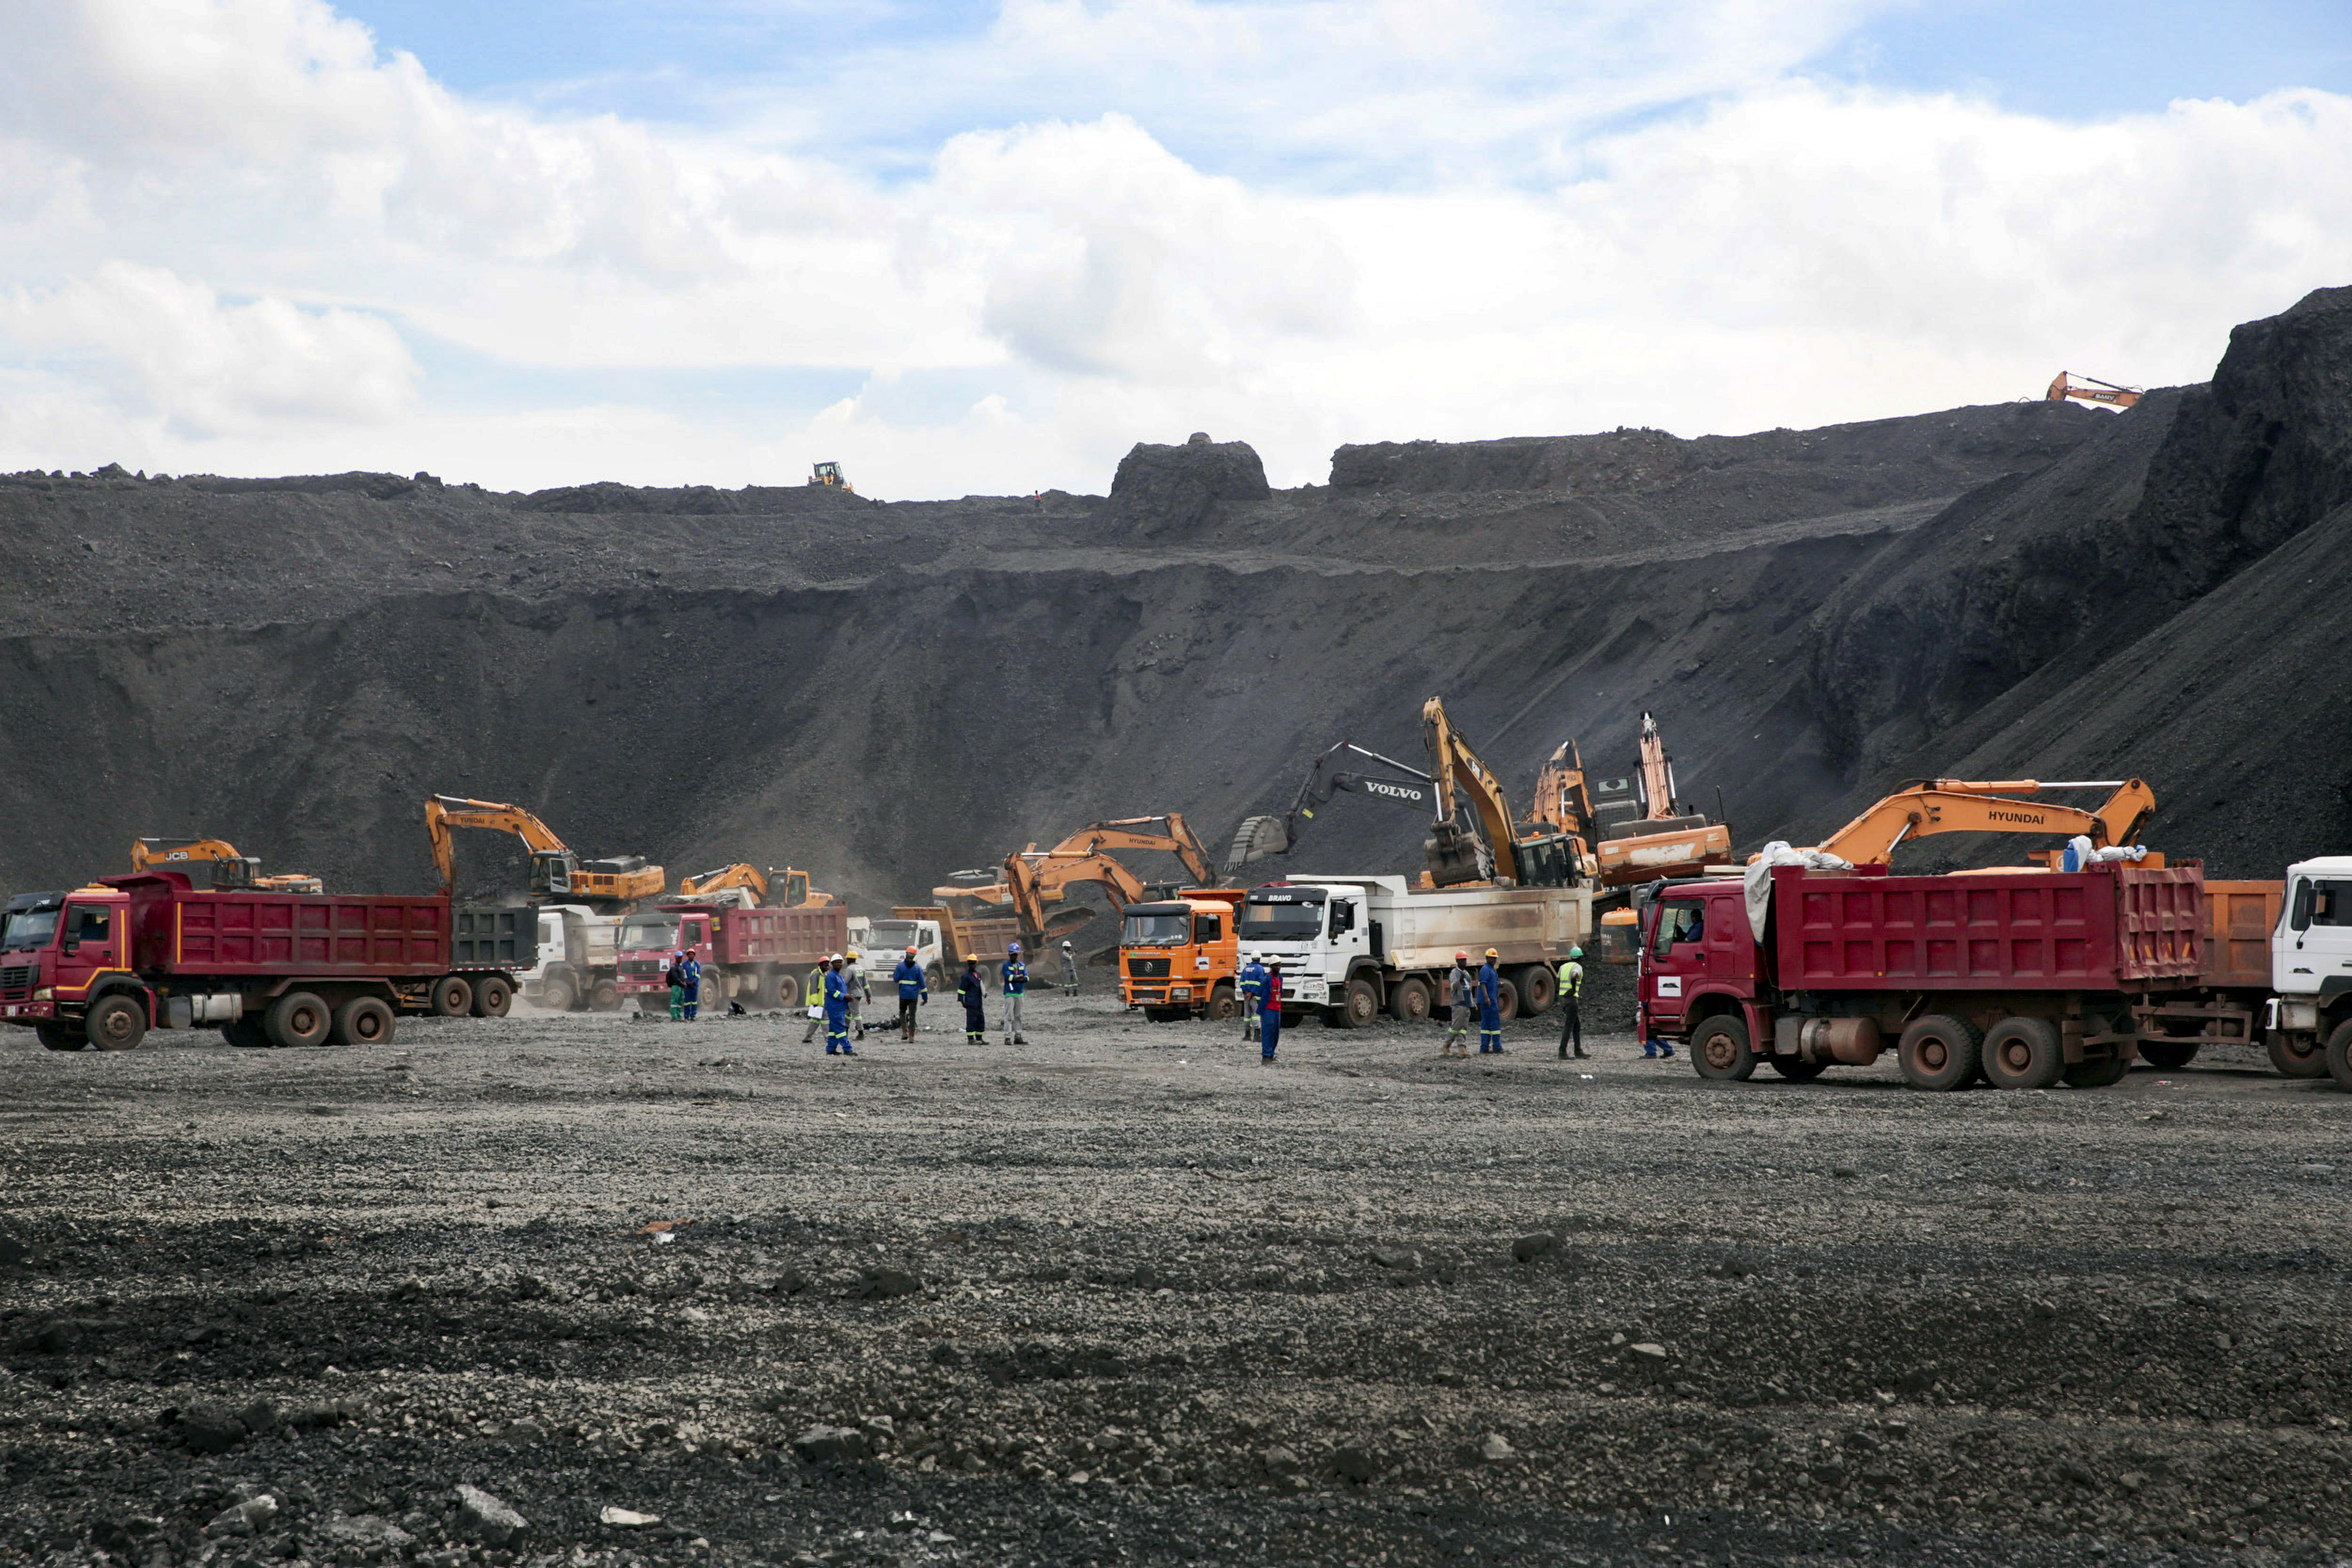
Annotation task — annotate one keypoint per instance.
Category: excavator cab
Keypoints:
(830, 475)
(551, 871)
(796, 889)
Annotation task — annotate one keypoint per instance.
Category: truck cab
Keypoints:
(1697, 956)
(646, 940)
(1320, 934)
(575, 967)
(887, 942)
(2311, 950)
(56, 950)
(1177, 956)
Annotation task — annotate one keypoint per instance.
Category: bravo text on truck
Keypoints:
(1351, 946)
(104, 964)
(2024, 977)
(749, 953)
(1177, 956)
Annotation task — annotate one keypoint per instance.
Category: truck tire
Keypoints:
(2022, 1053)
(2171, 1054)
(2295, 1055)
(1506, 999)
(1797, 1069)
(1719, 1049)
(298, 1018)
(760, 990)
(2340, 1055)
(1538, 984)
(114, 1023)
(1939, 1053)
(1223, 1007)
(557, 994)
(363, 1021)
(936, 979)
(1409, 1000)
(605, 997)
(246, 1033)
(1360, 1004)
(58, 1037)
(492, 996)
(2103, 1073)
(788, 990)
(451, 998)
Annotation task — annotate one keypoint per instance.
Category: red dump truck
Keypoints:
(2024, 978)
(104, 964)
(751, 955)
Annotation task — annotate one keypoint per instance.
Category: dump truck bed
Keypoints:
(179, 930)
(1522, 924)
(2238, 919)
(2105, 928)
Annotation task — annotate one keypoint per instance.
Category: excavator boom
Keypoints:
(230, 869)
(2084, 389)
(555, 871)
(1932, 806)
(1259, 837)
(726, 879)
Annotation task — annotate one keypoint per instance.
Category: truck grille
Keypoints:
(1152, 967)
(641, 967)
(16, 978)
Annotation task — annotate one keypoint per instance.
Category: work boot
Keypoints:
(1667, 1048)
(1580, 1053)
(1650, 1052)
(1020, 1040)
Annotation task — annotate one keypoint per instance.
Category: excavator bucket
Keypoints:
(1457, 855)
(1063, 922)
(1255, 839)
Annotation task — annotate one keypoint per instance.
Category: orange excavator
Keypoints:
(2083, 389)
(1666, 839)
(1031, 878)
(1930, 806)
(792, 887)
(1473, 838)
(231, 871)
(556, 873)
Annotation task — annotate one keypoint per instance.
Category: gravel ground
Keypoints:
(1122, 1295)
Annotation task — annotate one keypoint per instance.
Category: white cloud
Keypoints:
(1787, 253)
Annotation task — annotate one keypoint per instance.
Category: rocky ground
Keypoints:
(1121, 1295)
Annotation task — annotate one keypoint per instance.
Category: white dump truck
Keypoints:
(939, 940)
(1352, 945)
(576, 961)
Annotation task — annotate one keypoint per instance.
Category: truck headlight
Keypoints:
(45, 994)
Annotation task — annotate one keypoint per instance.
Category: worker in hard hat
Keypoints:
(674, 977)
(1571, 993)
(689, 971)
(1490, 1006)
(836, 1009)
(1013, 976)
(861, 993)
(1069, 969)
(909, 976)
(973, 990)
(1250, 982)
(1269, 1015)
(812, 999)
(1461, 1002)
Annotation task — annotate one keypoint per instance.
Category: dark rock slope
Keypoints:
(882, 693)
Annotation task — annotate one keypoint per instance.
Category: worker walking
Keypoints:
(1572, 994)
(861, 993)
(1069, 971)
(812, 998)
(974, 992)
(836, 1009)
(1270, 1015)
(1461, 998)
(1013, 976)
(690, 975)
(1490, 1006)
(909, 978)
(675, 979)
(1252, 984)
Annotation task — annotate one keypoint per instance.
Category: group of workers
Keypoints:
(1468, 993)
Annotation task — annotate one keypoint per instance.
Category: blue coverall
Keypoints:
(1253, 989)
(1490, 1008)
(909, 977)
(974, 992)
(692, 971)
(837, 1014)
(1270, 1016)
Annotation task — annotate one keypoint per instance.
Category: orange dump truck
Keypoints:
(1177, 956)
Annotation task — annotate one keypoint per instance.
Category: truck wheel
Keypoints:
(1360, 1004)
(936, 978)
(788, 990)
(556, 994)
(1164, 1015)
(452, 998)
(1221, 1005)
(115, 1024)
(762, 993)
(2340, 1055)
(2295, 1055)
(1409, 1000)
(1720, 1050)
(245, 1033)
(298, 1018)
(605, 997)
(1538, 987)
(1797, 1069)
(58, 1037)
(1938, 1052)
(2108, 1070)
(2024, 1054)
(492, 997)
(363, 1021)
(2169, 1054)
(1506, 999)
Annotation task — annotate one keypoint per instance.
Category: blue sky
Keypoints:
(986, 248)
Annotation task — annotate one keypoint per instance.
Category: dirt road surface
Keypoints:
(1124, 1296)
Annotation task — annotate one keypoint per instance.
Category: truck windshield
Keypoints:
(1285, 921)
(1155, 930)
(640, 933)
(29, 928)
(894, 936)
